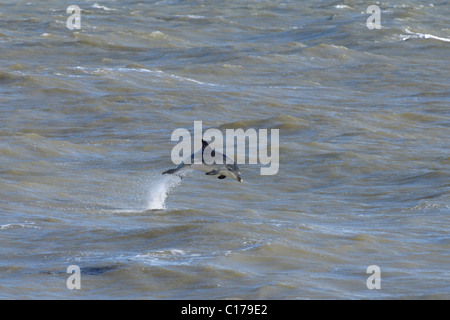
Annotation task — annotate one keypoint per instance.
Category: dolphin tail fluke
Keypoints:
(170, 171)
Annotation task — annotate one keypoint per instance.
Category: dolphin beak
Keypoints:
(240, 180)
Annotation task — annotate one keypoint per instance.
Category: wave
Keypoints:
(283, 122)
(418, 35)
(18, 225)
(116, 72)
(97, 6)
(6, 77)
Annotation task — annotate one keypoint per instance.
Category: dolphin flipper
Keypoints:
(221, 177)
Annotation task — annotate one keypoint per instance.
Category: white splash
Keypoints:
(25, 224)
(422, 36)
(160, 190)
(97, 6)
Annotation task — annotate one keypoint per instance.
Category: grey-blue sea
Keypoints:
(86, 121)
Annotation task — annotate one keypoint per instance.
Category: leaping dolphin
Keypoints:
(228, 168)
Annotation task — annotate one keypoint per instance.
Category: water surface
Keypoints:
(86, 118)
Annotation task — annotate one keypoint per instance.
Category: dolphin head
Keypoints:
(232, 171)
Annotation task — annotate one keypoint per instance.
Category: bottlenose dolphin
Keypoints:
(228, 168)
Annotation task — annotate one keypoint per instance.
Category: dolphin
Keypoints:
(228, 168)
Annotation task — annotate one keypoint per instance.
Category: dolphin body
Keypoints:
(228, 168)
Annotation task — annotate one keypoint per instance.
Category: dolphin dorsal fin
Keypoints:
(204, 144)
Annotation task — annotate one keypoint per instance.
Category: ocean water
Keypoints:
(86, 121)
